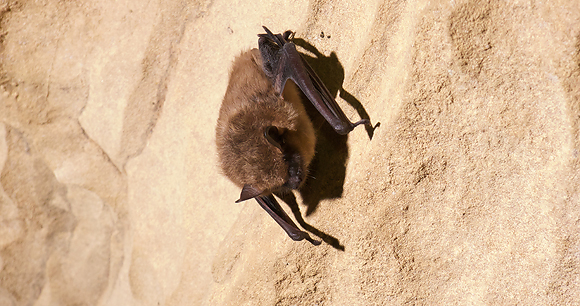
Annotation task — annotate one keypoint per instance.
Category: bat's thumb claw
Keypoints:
(362, 121)
(314, 242)
(303, 236)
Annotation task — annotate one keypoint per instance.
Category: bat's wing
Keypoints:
(281, 61)
(271, 206)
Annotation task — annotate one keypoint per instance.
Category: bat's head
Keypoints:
(267, 145)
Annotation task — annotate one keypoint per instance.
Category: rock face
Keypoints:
(468, 192)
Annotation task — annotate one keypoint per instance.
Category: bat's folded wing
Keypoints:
(271, 206)
(292, 66)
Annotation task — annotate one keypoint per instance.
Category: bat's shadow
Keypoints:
(328, 169)
(331, 72)
(290, 199)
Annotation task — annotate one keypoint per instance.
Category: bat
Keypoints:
(265, 139)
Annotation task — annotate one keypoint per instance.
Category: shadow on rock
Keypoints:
(328, 168)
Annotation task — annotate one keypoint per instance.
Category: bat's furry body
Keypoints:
(251, 105)
(264, 137)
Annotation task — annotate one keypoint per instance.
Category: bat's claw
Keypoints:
(303, 235)
(344, 129)
(288, 35)
(362, 121)
(314, 242)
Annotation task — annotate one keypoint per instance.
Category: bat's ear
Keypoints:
(248, 192)
(274, 136)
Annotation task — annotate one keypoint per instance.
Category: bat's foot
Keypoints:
(288, 35)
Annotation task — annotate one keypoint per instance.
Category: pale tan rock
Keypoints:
(467, 194)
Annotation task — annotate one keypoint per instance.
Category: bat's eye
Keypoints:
(274, 137)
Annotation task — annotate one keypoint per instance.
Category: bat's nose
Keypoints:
(294, 182)
(295, 173)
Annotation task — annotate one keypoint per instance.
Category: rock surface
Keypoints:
(468, 192)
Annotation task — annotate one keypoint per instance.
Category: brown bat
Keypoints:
(264, 137)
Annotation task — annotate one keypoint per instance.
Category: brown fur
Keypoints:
(250, 105)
